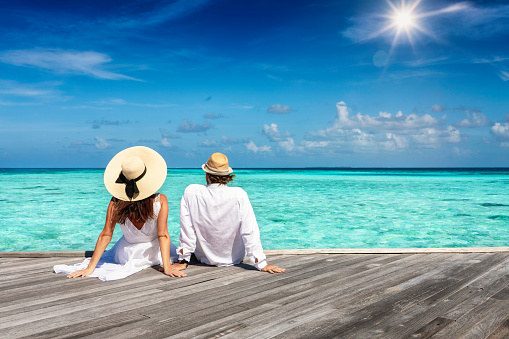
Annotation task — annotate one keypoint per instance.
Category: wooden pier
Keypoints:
(323, 294)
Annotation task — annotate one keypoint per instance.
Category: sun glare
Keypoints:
(403, 19)
(406, 21)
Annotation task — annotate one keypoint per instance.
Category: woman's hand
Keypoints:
(80, 273)
(172, 272)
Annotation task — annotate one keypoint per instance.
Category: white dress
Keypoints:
(135, 251)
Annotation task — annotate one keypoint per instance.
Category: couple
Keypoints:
(217, 222)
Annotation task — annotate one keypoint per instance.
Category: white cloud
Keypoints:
(288, 145)
(476, 119)
(212, 116)
(165, 134)
(315, 144)
(122, 102)
(385, 132)
(434, 138)
(500, 131)
(23, 90)
(272, 132)
(489, 61)
(65, 62)
(96, 124)
(284, 141)
(100, 143)
(384, 121)
(484, 21)
(209, 143)
(187, 126)
(229, 141)
(504, 75)
(395, 142)
(20, 93)
(279, 109)
(251, 146)
(242, 106)
(165, 143)
(437, 108)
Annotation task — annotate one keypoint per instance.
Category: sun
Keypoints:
(404, 20)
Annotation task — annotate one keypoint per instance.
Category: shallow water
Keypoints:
(307, 208)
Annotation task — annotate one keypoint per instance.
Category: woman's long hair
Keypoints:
(137, 211)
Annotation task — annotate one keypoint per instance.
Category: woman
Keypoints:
(132, 177)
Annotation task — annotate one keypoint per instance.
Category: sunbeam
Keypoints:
(404, 21)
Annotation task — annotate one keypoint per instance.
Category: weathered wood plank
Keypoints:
(103, 304)
(223, 299)
(82, 329)
(468, 321)
(443, 295)
(483, 288)
(431, 328)
(501, 332)
(283, 309)
(364, 319)
(412, 318)
(483, 293)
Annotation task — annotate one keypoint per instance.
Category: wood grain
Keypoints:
(321, 295)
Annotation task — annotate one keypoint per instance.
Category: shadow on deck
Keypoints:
(372, 295)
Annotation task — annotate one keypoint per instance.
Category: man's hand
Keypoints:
(272, 269)
(173, 272)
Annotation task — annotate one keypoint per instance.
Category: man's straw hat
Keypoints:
(217, 165)
(135, 173)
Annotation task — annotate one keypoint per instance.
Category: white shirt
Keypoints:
(218, 225)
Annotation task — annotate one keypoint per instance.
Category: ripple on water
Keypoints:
(499, 217)
(294, 209)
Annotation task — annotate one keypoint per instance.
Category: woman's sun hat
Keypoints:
(135, 173)
(217, 165)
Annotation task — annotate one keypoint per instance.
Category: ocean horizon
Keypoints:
(296, 208)
(281, 168)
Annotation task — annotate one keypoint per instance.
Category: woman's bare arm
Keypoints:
(102, 242)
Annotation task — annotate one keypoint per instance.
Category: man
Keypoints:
(217, 222)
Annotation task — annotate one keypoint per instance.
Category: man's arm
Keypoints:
(251, 237)
(187, 239)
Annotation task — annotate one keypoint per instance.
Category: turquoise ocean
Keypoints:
(59, 209)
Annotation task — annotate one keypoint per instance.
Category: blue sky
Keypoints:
(269, 83)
